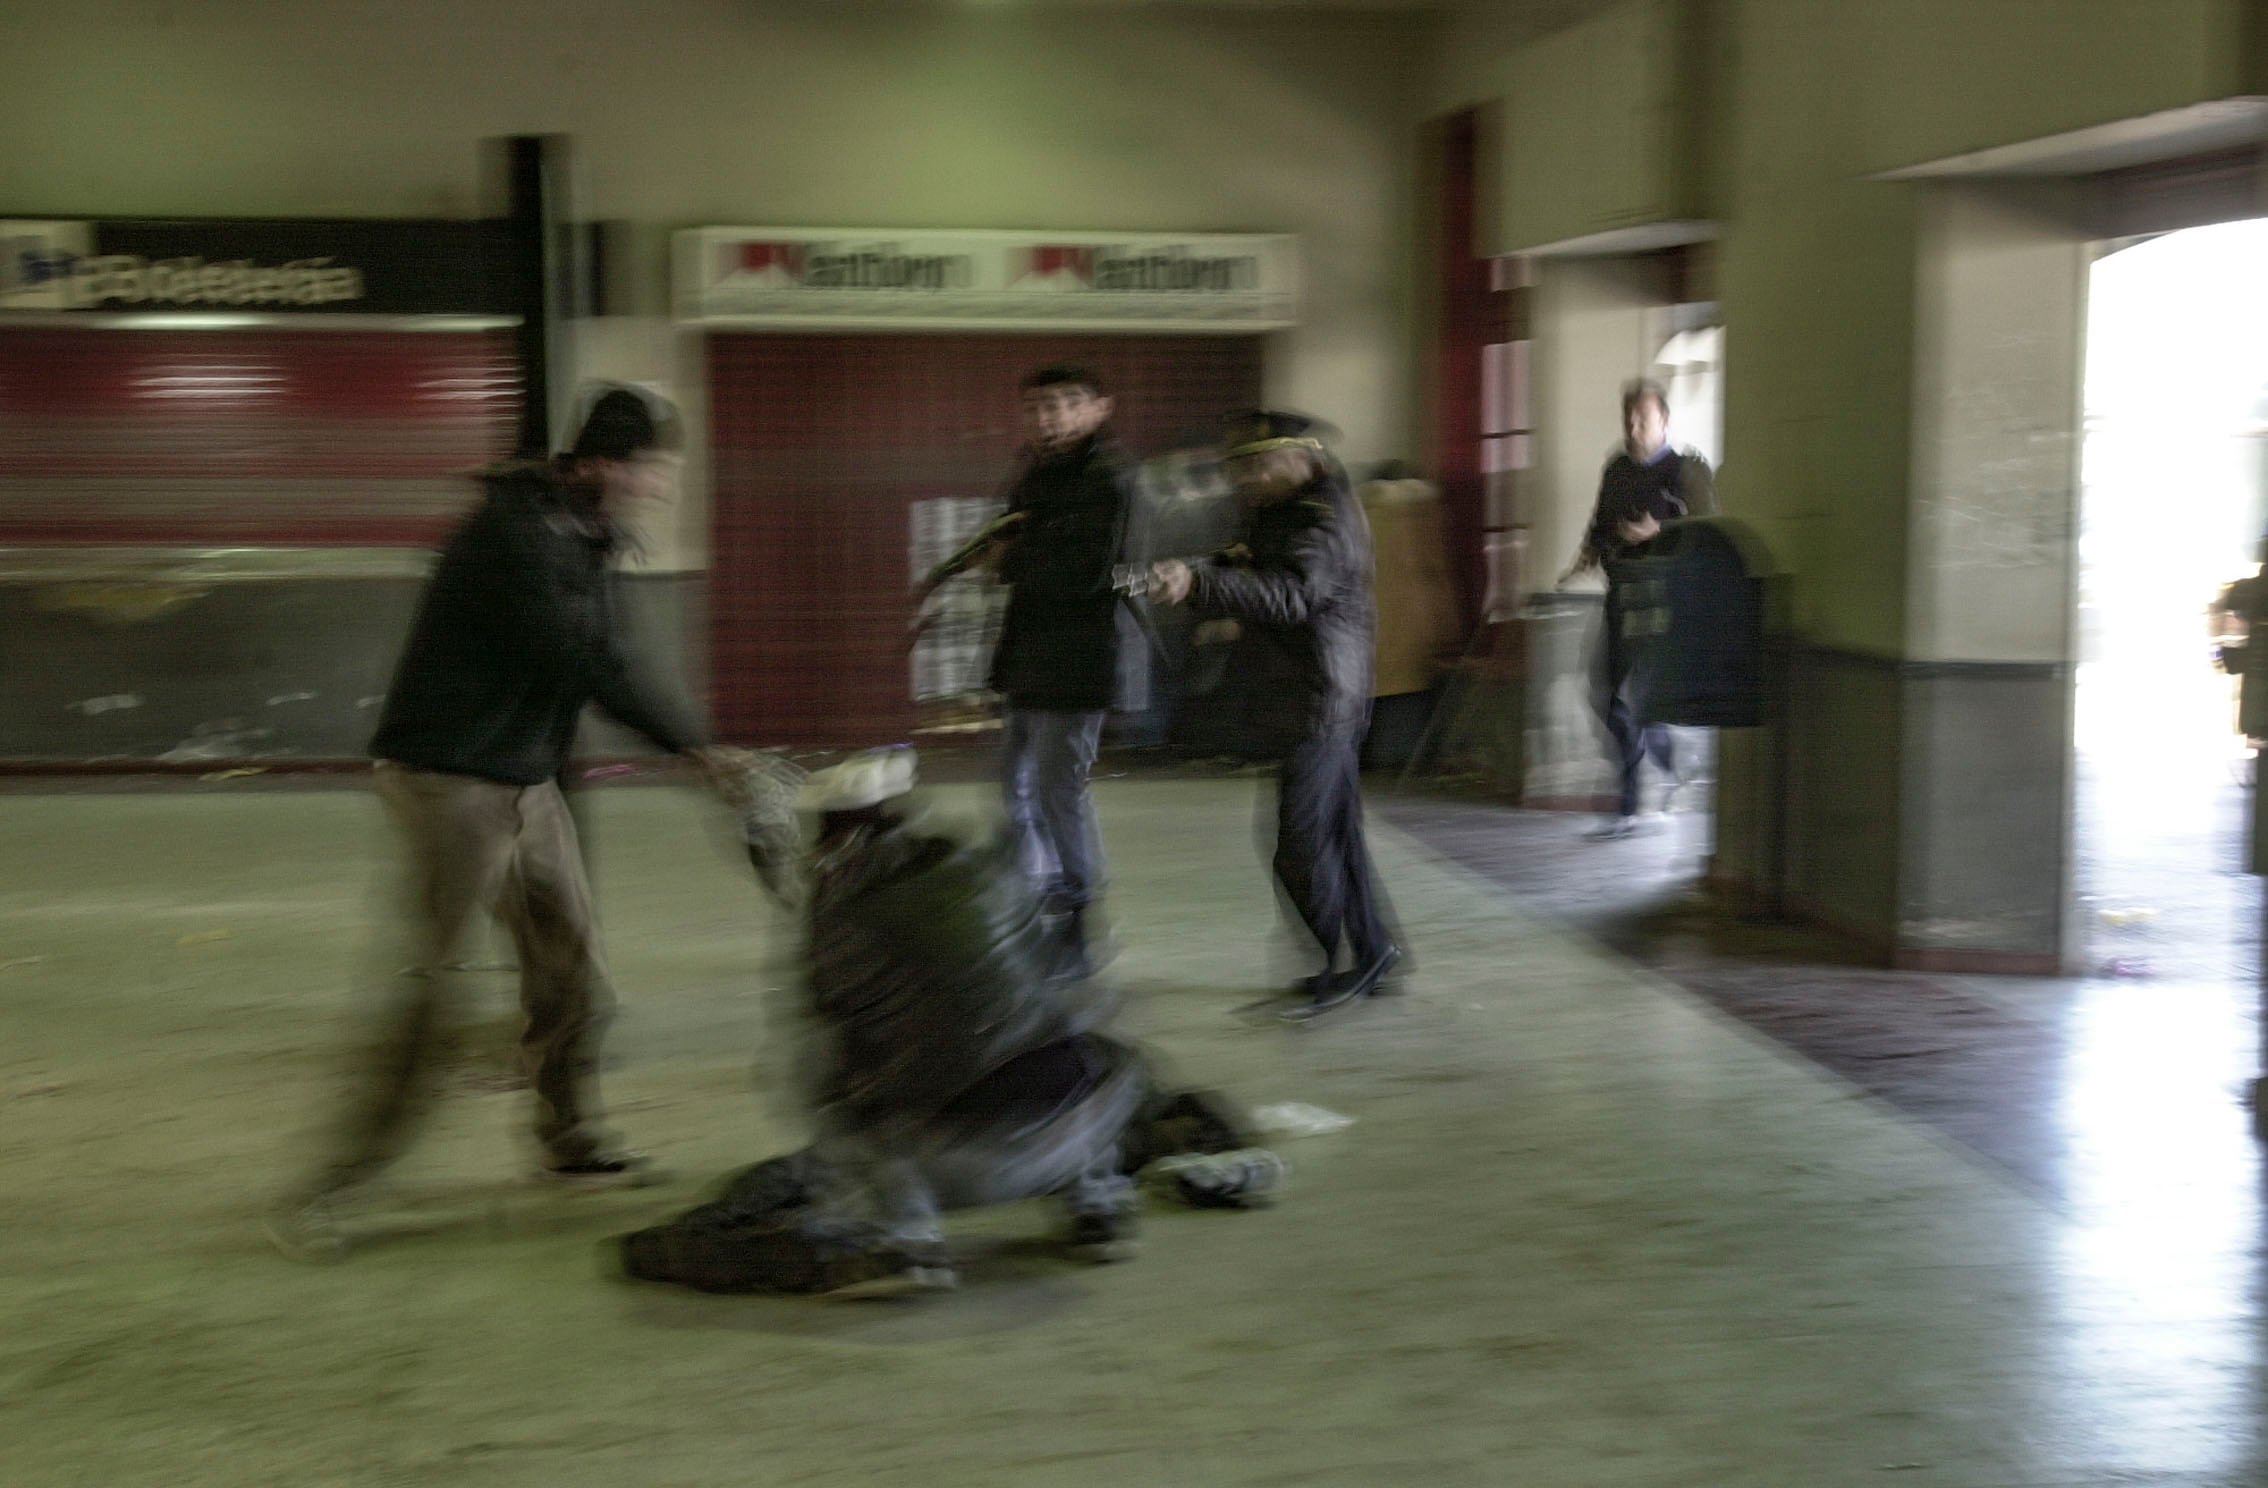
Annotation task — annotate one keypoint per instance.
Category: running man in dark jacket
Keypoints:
(517, 631)
(1646, 484)
(1298, 587)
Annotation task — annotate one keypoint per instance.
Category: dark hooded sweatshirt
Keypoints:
(518, 629)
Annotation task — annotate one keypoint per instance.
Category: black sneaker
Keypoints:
(1296, 994)
(1332, 990)
(1373, 976)
(605, 1170)
(1105, 1235)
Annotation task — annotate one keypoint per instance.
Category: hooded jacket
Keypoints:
(518, 629)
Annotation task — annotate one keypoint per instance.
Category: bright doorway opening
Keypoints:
(2173, 508)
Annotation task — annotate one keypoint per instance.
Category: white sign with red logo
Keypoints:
(845, 278)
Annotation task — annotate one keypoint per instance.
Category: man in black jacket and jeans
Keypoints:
(1299, 588)
(1646, 484)
(517, 631)
(1071, 649)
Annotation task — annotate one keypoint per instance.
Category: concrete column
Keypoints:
(1984, 870)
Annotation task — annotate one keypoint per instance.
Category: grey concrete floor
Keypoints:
(2168, 971)
(1586, 1228)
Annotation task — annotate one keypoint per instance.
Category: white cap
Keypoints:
(863, 780)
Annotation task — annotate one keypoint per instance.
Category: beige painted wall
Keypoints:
(1599, 129)
(1815, 274)
(1595, 320)
(1947, 76)
(1999, 352)
(689, 112)
(1478, 38)
(1900, 404)
(1817, 266)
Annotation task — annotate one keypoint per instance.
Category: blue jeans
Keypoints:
(1621, 675)
(1051, 820)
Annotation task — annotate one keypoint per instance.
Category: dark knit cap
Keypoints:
(624, 423)
(1064, 374)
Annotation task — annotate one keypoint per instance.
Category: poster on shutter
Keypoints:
(954, 653)
(845, 278)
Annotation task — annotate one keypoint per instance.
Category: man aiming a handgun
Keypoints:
(1299, 588)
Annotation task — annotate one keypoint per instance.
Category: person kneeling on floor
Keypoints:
(951, 1066)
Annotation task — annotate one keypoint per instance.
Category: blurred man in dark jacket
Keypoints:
(518, 630)
(1070, 648)
(1298, 588)
(1647, 483)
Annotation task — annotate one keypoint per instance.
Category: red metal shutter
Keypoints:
(820, 447)
(246, 437)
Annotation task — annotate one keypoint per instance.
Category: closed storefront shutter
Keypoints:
(824, 445)
(247, 437)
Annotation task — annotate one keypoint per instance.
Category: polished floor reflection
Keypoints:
(1586, 1229)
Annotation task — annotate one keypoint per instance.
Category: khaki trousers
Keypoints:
(472, 845)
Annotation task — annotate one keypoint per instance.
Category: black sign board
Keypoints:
(258, 266)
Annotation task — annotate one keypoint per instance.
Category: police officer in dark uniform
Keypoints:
(1298, 588)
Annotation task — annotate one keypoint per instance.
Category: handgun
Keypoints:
(1132, 580)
